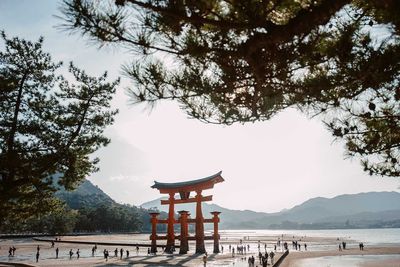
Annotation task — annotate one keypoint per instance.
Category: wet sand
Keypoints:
(294, 258)
(317, 247)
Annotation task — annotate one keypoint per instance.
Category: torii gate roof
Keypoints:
(187, 186)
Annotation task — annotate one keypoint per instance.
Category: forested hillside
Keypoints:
(87, 209)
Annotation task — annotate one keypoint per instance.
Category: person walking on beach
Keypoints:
(127, 253)
(116, 252)
(305, 246)
(77, 254)
(13, 250)
(37, 256)
(93, 249)
(10, 252)
(272, 255)
(264, 261)
(57, 253)
(121, 252)
(70, 254)
(106, 255)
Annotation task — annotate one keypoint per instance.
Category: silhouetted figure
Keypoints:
(272, 255)
(121, 252)
(13, 251)
(37, 256)
(340, 247)
(305, 246)
(148, 251)
(137, 250)
(77, 254)
(127, 253)
(116, 252)
(52, 244)
(285, 246)
(106, 255)
(57, 253)
(70, 254)
(10, 252)
(93, 249)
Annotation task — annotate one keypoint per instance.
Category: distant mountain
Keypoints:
(86, 194)
(353, 210)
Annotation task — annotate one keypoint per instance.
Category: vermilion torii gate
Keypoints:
(184, 189)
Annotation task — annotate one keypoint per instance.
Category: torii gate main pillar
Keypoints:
(200, 248)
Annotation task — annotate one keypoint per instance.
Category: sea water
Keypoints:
(386, 236)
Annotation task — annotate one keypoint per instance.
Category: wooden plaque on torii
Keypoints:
(183, 189)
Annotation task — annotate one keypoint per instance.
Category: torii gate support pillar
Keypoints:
(184, 246)
(153, 236)
(216, 234)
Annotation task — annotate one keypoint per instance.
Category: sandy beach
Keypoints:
(317, 247)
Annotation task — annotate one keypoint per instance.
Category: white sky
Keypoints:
(267, 166)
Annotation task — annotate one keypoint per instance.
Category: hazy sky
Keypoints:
(267, 166)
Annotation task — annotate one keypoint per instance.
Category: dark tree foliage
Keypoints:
(233, 61)
(48, 125)
(109, 218)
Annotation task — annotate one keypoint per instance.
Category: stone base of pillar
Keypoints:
(200, 249)
(169, 249)
(183, 249)
(216, 248)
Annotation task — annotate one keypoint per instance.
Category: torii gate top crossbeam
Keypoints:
(188, 186)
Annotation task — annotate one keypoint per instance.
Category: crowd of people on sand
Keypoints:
(11, 251)
(343, 245)
(239, 249)
(77, 252)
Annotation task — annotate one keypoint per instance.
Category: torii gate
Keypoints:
(184, 189)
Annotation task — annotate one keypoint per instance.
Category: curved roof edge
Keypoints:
(158, 185)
